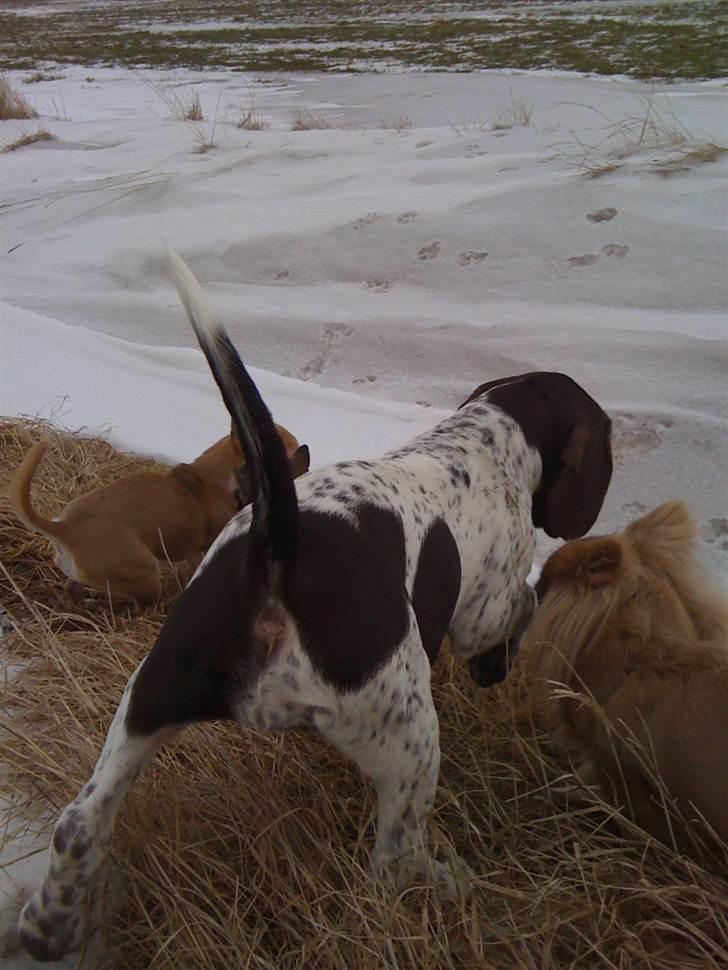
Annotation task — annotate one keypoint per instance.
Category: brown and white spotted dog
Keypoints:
(327, 609)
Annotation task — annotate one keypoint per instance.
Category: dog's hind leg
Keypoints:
(144, 589)
(390, 729)
(72, 593)
(51, 923)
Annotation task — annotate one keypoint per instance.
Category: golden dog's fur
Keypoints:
(114, 537)
(630, 646)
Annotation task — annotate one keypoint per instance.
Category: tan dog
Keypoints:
(639, 641)
(113, 537)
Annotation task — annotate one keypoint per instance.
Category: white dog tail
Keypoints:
(274, 529)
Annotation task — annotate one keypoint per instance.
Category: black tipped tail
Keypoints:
(275, 507)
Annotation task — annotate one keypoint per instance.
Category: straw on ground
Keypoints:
(252, 851)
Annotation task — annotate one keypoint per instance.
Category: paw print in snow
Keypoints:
(429, 251)
(602, 215)
(471, 256)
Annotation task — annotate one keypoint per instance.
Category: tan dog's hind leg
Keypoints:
(148, 591)
(72, 593)
(140, 582)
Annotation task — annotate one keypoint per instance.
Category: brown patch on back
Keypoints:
(436, 586)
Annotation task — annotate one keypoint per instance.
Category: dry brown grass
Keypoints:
(654, 127)
(37, 76)
(304, 120)
(516, 113)
(12, 104)
(249, 118)
(250, 851)
(29, 138)
(399, 124)
(685, 157)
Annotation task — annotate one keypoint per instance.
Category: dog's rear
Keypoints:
(637, 640)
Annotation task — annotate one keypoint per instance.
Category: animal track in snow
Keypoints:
(715, 533)
(602, 215)
(366, 220)
(615, 249)
(588, 259)
(379, 286)
(474, 151)
(637, 434)
(282, 274)
(429, 251)
(509, 168)
(634, 508)
(406, 217)
(370, 378)
(332, 336)
(471, 256)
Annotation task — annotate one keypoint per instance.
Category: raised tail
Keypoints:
(20, 493)
(274, 529)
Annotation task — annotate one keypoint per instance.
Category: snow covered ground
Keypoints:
(375, 271)
(407, 254)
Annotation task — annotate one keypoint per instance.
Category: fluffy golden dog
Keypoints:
(629, 645)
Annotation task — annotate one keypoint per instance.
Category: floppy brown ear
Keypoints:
(300, 461)
(576, 496)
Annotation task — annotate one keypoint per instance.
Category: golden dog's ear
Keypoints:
(300, 461)
(597, 562)
(603, 565)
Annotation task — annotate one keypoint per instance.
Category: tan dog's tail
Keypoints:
(20, 493)
(667, 540)
(665, 534)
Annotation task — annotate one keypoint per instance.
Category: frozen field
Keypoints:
(423, 242)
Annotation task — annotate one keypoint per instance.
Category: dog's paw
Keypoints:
(449, 880)
(46, 933)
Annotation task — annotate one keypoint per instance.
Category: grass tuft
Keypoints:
(13, 106)
(38, 76)
(653, 127)
(514, 114)
(304, 120)
(400, 123)
(250, 118)
(28, 138)
(192, 110)
(183, 107)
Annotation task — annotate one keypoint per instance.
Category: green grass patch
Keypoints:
(676, 39)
